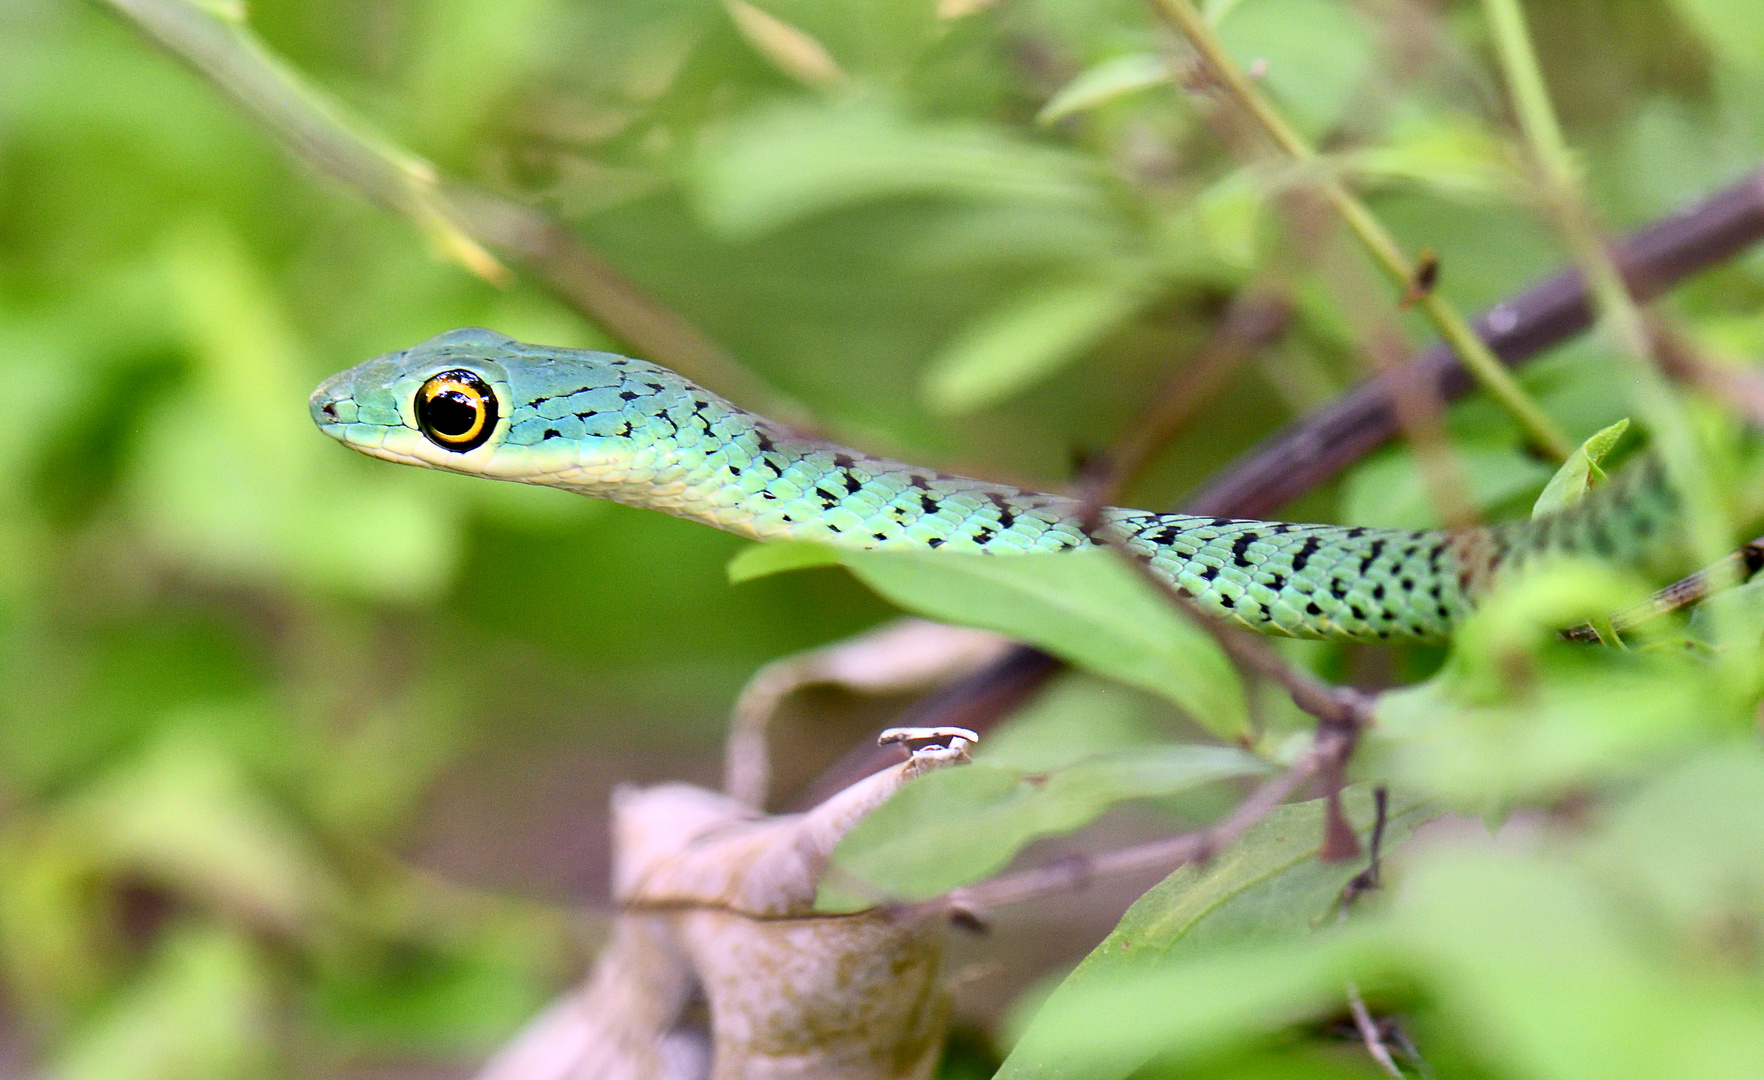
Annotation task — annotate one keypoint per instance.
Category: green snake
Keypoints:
(472, 401)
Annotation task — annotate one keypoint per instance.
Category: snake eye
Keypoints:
(456, 410)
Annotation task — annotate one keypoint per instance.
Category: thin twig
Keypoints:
(1369, 1033)
(1372, 234)
(1687, 590)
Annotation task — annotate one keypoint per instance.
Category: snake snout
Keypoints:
(332, 404)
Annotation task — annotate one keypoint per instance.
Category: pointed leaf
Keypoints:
(1580, 472)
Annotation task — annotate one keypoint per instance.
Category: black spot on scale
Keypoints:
(1443, 613)
(1337, 589)
(919, 482)
(880, 536)
(1167, 535)
(928, 504)
(828, 499)
(1372, 554)
(764, 442)
(1207, 572)
(1378, 591)
(629, 395)
(552, 433)
(1312, 608)
(1408, 584)
(1356, 532)
(852, 484)
(1227, 603)
(1304, 553)
(934, 542)
(843, 461)
(1358, 614)
(984, 535)
(1276, 580)
(1240, 547)
(1220, 522)
(1005, 517)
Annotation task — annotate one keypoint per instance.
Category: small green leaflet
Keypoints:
(1082, 606)
(958, 826)
(1028, 338)
(1580, 472)
(1108, 81)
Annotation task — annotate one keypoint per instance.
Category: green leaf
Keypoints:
(1693, 839)
(1267, 888)
(186, 815)
(1454, 155)
(1108, 81)
(1083, 606)
(1580, 472)
(1516, 713)
(1731, 28)
(202, 1007)
(1547, 972)
(763, 560)
(775, 166)
(1079, 716)
(248, 494)
(1108, 1029)
(1027, 339)
(958, 826)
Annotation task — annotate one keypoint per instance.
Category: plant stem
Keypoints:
(1618, 312)
(1377, 240)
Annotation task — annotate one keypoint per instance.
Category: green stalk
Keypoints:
(1618, 314)
(1475, 354)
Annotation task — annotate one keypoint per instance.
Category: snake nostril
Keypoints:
(329, 409)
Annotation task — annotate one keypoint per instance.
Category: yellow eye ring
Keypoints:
(456, 410)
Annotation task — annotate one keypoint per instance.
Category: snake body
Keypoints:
(475, 402)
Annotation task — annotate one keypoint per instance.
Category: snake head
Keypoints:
(473, 401)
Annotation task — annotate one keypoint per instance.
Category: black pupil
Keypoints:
(452, 412)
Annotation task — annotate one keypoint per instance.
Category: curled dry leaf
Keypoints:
(718, 966)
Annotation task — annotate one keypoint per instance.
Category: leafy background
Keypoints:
(303, 758)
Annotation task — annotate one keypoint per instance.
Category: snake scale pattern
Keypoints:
(472, 401)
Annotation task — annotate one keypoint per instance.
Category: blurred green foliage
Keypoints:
(237, 661)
